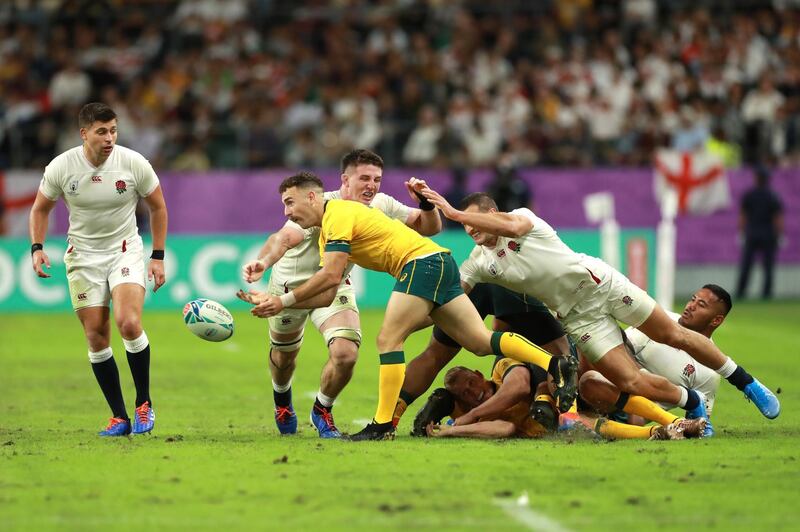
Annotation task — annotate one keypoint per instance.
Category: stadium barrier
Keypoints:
(210, 266)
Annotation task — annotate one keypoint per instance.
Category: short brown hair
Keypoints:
(483, 200)
(95, 112)
(361, 156)
(453, 374)
(301, 180)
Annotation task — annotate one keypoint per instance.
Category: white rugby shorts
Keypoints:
(92, 276)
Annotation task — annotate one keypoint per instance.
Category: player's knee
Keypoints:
(130, 327)
(97, 340)
(589, 386)
(343, 353)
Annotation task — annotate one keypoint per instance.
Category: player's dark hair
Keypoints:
(301, 180)
(95, 112)
(483, 200)
(361, 156)
(453, 374)
(722, 295)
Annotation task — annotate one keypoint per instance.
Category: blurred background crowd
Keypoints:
(202, 84)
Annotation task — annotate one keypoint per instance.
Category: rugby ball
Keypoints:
(208, 319)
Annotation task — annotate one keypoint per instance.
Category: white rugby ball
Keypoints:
(208, 319)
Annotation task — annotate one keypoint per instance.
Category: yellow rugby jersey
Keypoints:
(519, 414)
(373, 240)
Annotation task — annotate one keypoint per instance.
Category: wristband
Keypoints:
(157, 254)
(424, 203)
(288, 299)
(36, 247)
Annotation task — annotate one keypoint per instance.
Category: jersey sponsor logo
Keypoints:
(514, 246)
(493, 269)
(97, 179)
(286, 321)
(286, 287)
(72, 189)
(689, 370)
(343, 300)
(585, 338)
(82, 296)
(627, 300)
(403, 277)
(125, 271)
(121, 186)
(501, 253)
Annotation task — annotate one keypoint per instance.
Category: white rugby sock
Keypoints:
(100, 356)
(280, 388)
(727, 369)
(684, 397)
(324, 400)
(137, 344)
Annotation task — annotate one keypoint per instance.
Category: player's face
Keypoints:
(481, 239)
(362, 182)
(702, 310)
(472, 389)
(99, 139)
(298, 206)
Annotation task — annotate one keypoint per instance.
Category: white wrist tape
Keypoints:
(288, 299)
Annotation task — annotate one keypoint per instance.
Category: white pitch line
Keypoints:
(531, 519)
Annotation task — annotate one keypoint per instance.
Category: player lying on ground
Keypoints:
(501, 407)
(522, 252)
(513, 312)
(427, 286)
(293, 253)
(101, 184)
(704, 313)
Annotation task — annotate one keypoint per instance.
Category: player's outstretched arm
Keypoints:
(516, 387)
(158, 228)
(37, 227)
(492, 222)
(328, 277)
(497, 428)
(275, 247)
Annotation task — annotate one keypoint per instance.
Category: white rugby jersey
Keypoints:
(302, 261)
(101, 200)
(673, 364)
(537, 263)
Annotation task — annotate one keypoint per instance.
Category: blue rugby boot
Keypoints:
(144, 418)
(286, 419)
(763, 398)
(116, 427)
(322, 419)
(700, 412)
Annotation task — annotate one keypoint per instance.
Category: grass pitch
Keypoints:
(215, 460)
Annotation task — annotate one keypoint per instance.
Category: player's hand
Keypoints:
(434, 430)
(466, 419)
(253, 271)
(254, 297)
(437, 199)
(271, 306)
(38, 258)
(413, 185)
(155, 272)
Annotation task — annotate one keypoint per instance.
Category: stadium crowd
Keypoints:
(242, 84)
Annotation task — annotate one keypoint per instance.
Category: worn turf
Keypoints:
(215, 460)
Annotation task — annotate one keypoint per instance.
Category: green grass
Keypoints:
(216, 461)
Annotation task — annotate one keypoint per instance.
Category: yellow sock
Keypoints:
(390, 381)
(399, 410)
(621, 431)
(520, 348)
(641, 406)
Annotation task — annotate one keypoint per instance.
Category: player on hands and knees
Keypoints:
(101, 184)
(522, 252)
(293, 253)
(518, 313)
(427, 287)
